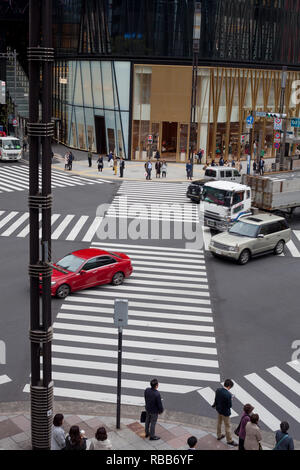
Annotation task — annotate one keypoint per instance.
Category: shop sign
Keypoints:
(278, 123)
(295, 122)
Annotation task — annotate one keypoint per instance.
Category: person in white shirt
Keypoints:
(58, 438)
(100, 441)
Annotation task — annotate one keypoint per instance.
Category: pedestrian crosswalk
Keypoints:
(153, 201)
(68, 227)
(170, 333)
(16, 178)
(274, 393)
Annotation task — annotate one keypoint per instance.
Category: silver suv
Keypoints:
(252, 236)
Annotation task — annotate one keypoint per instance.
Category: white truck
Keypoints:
(10, 148)
(226, 202)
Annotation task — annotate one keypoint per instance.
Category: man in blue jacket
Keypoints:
(223, 404)
(153, 409)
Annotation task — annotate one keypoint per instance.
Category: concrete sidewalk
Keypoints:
(134, 170)
(173, 427)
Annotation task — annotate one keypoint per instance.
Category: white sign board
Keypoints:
(277, 124)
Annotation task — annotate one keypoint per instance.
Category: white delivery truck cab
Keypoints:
(224, 203)
(10, 148)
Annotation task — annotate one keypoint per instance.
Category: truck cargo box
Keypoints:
(276, 191)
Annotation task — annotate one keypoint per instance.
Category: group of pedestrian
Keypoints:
(75, 439)
(69, 157)
(160, 168)
(248, 430)
(260, 167)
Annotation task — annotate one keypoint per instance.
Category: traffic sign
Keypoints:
(249, 119)
(295, 122)
(278, 123)
(276, 145)
(15, 122)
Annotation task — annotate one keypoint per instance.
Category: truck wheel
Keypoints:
(244, 257)
(279, 248)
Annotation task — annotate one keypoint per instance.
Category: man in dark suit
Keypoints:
(223, 404)
(153, 409)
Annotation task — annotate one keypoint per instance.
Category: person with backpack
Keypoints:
(283, 440)
(100, 163)
(241, 429)
(223, 405)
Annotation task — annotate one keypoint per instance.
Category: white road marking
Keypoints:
(93, 229)
(77, 227)
(285, 379)
(15, 225)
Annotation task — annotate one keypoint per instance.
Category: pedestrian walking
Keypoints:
(90, 156)
(122, 166)
(223, 405)
(110, 159)
(261, 166)
(66, 157)
(100, 163)
(192, 442)
(148, 168)
(157, 155)
(199, 156)
(115, 165)
(75, 440)
(241, 429)
(163, 169)
(25, 142)
(254, 167)
(192, 163)
(158, 168)
(189, 170)
(253, 435)
(283, 440)
(58, 438)
(100, 441)
(70, 160)
(154, 407)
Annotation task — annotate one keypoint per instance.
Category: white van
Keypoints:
(222, 173)
(10, 148)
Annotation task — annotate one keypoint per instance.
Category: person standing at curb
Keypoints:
(100, 441)
(158, 168)
(163, 169)
(283, 440)
(154, 407)
(148, 168)
(122, 166)
(223, 405)
(90, 156)
(115, 166)
(189, 170)
(75, 440)
(100, 163)
(70, 160)
(253, 435)
(242, 426)
(58, 438)
(67, 160)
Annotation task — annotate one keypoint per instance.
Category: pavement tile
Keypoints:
(195, 432)
(3, 418)
(166, 435)
(21, 437)
(178, 442)
(94, 422)
(71, 420)
(209, 442)
(22, 422)
(9, 428)
(7, 443)
(26, 445)
(178, 431)
(163, 446)
(142, 445)
(135, 427)
(86, 417)
(128, 435)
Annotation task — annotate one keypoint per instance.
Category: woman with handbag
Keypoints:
(240, 431)
(253, 435)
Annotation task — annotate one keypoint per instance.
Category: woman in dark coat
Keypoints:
(74, 440)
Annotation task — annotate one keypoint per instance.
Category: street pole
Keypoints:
(120, 336)
(40, 57)
(280, 152)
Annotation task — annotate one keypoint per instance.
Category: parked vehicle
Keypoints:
(89, 267)
(252, 236)
(225, 203)
(10, 148)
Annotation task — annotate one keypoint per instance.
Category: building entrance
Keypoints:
(100, 135)
(169, 140)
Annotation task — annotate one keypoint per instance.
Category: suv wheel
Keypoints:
(244, 257)
(279, 248)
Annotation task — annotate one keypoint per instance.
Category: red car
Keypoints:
(88, 268)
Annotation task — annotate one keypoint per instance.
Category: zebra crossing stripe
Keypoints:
(295, 365)
(285, 379)
(15, 225)
(62, 226)
(139, 333)
(141, 370)
(141, 323)
(264, 415)
(209, 396)
(76, 229)
(157, 248)
(93, 229)
(93, 396)
(11, 179)
(6, 219)
(54, 218)
(292, 247)
(297, 233)
(4, 379)
(275, 396)
(153, 358)
(25, 231)
(141, 313)
(126, 287)
(171, 284)
(136, 344)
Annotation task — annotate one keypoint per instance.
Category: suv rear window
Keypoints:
(211, 173)
(228, 173)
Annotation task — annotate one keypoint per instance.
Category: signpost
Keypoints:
(120, 321)
(249, 122)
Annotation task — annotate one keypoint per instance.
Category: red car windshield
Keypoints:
(70, 262)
